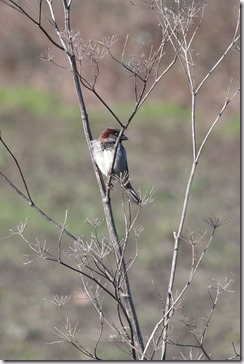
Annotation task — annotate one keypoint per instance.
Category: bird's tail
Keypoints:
(129, 190)
(131, 194)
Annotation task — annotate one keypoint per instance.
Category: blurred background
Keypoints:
(40, 121)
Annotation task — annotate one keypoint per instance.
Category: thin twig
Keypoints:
(19, 169)
(226, 103)
(234, 40)
(16, 5)
(61, 235)
(173, 302)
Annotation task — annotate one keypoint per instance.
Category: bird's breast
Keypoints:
(104, 159)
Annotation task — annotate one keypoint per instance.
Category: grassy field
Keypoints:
(46, 136)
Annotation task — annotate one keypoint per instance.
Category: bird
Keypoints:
(103, 150)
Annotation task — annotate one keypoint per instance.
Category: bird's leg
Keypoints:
(109, 186)
(108, 183)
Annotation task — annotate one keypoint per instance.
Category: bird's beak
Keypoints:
(124, 137)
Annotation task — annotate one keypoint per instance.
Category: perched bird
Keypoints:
(103, 152)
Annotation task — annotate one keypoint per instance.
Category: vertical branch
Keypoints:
(177, 237)
(136, 336)
(188, 66)
(193, 123)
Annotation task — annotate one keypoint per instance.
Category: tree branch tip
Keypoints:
(215, 222)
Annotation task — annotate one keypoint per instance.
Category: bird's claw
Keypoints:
(109, 185)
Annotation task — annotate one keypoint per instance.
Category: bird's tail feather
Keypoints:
(131, 194)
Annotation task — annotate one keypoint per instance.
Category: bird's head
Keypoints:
(110, 135)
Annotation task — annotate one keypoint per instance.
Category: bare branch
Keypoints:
(235, 39)
(92, 258)
(18, 166)
(174, 301)
(226, 103)
(16, 5)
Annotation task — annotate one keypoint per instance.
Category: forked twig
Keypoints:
(174, 301)
(18, 166)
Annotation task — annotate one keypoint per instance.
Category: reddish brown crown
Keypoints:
(105, 134)
(111, 131)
